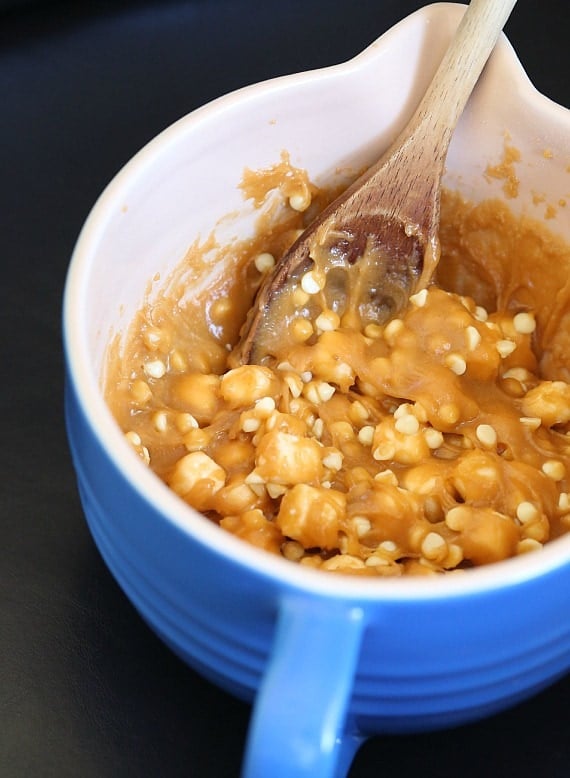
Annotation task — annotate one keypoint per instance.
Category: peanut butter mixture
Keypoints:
(436, 442)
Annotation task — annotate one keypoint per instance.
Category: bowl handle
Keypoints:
(299, 723)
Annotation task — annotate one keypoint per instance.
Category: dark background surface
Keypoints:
(85, 688)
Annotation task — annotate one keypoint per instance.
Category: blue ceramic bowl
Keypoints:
(326, 659)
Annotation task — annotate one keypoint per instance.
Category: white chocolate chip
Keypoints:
(524, 323)
(486, 435)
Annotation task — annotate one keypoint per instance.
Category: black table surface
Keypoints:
(86, 689)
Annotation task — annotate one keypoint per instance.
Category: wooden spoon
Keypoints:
(376, 244)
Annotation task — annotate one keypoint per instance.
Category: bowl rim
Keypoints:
(501, 575)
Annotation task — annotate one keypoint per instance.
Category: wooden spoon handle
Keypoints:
(457, 74)
(409, 173)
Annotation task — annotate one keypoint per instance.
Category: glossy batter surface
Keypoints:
(430, 444)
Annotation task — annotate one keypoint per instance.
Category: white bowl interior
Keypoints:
(181, 185)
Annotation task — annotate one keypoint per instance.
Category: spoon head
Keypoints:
(340, 273)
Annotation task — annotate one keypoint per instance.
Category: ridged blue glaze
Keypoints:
(422, 664)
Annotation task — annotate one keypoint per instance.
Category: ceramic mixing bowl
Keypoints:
(326, 659)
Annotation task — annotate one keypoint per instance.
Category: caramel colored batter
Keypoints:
(432, 443)
(506, 171)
